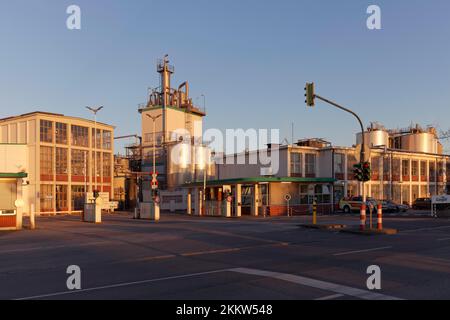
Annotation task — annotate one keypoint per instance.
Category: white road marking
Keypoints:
(426, 229)
(318, 284)
(119, 285)
(332, 297)
(340, 290)
(55, 247)
(360, 251)
(444, 239)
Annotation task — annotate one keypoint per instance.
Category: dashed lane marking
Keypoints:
(360, 251)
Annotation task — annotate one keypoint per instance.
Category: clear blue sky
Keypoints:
(250, 58)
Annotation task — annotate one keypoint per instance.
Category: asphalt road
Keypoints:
(185, 257)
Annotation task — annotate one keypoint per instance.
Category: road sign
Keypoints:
(287, 197)
(229, 199)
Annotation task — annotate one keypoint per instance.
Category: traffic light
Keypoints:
(310, 95)
(362, 172)
(367, 171)
(358, 172)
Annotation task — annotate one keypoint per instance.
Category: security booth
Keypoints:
(261, 196)
(440, 206)
(11, 202)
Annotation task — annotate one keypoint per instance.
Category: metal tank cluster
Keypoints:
(413, 139)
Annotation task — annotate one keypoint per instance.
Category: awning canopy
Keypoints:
(13, 175)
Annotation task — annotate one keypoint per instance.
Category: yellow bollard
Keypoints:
(315, 212)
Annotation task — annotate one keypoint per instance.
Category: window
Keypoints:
(375, 165)
(376, 192)
(387, 191)
(339, 159)
(386, 167)
(423, 168)
(405, 195)
(415, 192)
(310, 164)
(296, 164)
(414, 168)
(79, 162)
(80, 136)
(396, 169)
(46, 160)
(96, 164)
(46, 131)
(96, 139)
(107, 165)
(447, 169)
(405, 168)
(78, 195)
(61, 161)
(107, 140)
(322, 193)
(441, 169)
(424, 191)
(397, 193)
(351, 161)
(61, 133)
(46, 196)
(432, 171)
(61, 198)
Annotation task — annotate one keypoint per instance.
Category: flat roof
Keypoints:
(262, 180)
(53, 115)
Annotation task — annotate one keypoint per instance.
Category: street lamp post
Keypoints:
(95, 111)
(154, 118)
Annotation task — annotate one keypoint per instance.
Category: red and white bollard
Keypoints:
(380, 217)
(362, 217)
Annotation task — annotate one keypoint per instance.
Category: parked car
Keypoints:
(353, 204)
(422, 204)
(391, 206)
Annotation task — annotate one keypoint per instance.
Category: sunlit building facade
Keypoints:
(66, 157)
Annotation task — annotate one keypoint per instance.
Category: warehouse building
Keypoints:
(63, 162)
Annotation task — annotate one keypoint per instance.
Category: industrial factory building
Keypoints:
(171, 137)
(406, 164)
(55, 157)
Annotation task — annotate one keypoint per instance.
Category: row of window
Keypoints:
(79, 162)
(418, 167)
(79, 135)
(61, 198)
(297, 164)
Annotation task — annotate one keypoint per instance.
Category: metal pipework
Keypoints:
(183, 99)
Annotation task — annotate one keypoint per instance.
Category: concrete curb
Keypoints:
(323, 226)
(371, 232)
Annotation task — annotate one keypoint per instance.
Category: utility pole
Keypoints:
(95, 111)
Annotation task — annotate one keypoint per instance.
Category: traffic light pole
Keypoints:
(363, 145)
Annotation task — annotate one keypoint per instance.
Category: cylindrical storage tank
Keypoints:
(374, 138)
(180, 168)
(203, 161)
(420, 142)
